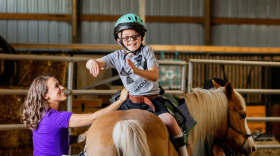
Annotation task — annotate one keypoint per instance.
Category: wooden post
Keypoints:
(74, 21)
(276, 125)
(207, 34)
(142, 13)
(207, 22)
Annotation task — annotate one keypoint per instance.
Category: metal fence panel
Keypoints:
(3, 28)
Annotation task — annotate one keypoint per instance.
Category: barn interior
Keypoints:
(235, 40)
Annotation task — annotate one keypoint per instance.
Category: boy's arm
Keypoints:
(151, 74)
(94, 65)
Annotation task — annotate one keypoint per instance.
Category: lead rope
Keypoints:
(83, 153)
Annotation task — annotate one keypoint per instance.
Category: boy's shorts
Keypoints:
(158, 104)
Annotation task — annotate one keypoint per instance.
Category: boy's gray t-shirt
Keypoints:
(134, 83)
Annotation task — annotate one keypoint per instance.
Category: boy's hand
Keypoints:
(93, 67)
(134, 69)
(82, 137)
(124, 95)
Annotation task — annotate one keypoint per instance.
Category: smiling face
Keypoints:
(132, 44)
(55, 93)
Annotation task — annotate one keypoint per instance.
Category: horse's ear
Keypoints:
(229, 91)
(216, 85)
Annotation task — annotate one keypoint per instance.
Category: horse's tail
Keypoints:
(130, 139)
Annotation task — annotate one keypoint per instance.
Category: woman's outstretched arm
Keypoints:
(81, 120)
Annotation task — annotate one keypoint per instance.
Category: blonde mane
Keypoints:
(209, 109)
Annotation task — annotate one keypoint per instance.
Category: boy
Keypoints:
(138, 69)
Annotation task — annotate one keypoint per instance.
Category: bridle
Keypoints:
(222, 142)
(246, 136)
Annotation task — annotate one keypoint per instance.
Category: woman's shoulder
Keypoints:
(53, 112)
(59, 118)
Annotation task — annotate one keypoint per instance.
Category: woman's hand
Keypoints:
(93, 67)
(124, 95)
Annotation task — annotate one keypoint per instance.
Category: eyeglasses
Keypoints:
(128, 38)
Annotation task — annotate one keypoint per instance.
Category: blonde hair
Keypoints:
(35, 105)
(209, 109)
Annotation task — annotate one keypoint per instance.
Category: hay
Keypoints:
(267, 152)
(17, 142)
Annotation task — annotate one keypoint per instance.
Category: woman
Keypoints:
(39, 113)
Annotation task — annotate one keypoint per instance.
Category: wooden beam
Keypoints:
(164, 19)
(207, 23)
(74, 21)
(87, 103)
(14, 16)
(180, 48)
(253, 21)
(70, 46)
(100, 18)
(142, 13)
(172, 19)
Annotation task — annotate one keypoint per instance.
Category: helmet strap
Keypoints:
(121, 42)
(134, 52)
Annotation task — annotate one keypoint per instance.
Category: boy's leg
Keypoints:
(176, 132)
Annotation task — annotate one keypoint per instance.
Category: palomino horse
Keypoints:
(134, 132)
(219, 113)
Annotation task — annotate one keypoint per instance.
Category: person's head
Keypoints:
(209, 84)
(43, 93)
(129, 32)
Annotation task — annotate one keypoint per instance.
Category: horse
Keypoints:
(133, 132)
(219, 113)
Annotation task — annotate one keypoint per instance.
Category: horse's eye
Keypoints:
(243, 116)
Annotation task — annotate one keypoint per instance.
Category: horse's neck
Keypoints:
(207, 109)
(209, 113)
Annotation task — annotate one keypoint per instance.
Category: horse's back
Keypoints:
(100, 141)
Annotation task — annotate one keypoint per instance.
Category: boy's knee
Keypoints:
(168, 119)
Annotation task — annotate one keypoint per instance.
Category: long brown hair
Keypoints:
(35, 104)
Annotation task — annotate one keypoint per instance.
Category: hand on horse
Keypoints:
(133, 68)
(93, 67)
(124, 95)
(77, 139)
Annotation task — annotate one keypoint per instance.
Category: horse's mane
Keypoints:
(209, 109)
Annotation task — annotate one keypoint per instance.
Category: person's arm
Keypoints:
(94, 65)
(81, 120)
(151, 74)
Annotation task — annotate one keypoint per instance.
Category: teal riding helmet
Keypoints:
(129, 21)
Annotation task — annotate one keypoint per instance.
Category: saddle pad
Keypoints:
(181, 105)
